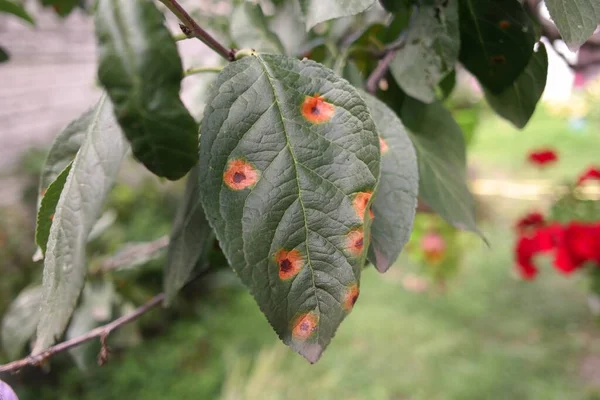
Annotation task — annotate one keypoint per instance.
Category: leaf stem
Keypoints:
(191, 28)
(180, 36)
(200, 70)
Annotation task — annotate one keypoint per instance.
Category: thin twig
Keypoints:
(100, 332)
(200, 70)
(191, 28)
(132, 253)
(378, 73)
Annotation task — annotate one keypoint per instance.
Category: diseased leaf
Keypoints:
(396, 199)
(92, 174)
(287, 151)
(10, 7)
(249, 29)
(517, 103)
(20, 321)
(441, 156)
(48, 204)
(497, 38)
(575, 19)
(141, 71)
(316, 11)
(431, 50)
(191, 240)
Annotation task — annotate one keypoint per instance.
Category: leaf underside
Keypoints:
(575, 19)
(286, 147)
(316, 11)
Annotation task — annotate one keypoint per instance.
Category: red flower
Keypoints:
(525, 251)
(542, 157)
(580, 243)
(532, 220)
(591, 173)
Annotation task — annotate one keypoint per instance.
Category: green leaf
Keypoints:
(249, 29)
(141, 71)
(316, 11)
(447, 85)
(286, 24)
(4, 56)
(397, 6)
(396, 199)
(15, 9)
(48, 204)
(517, 103)
(20, 320)
(575, 19)
(497, 38)
(441, 155)
(191, 240)
(431, 50)
(92, 174)
(62, 7)
(280, 169)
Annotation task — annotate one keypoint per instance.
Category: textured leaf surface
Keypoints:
(497, 38)
(281, 169)
(141, 71)
(396, 200)
(48, 207)
(517, 103)
(575, 19)
(431, 50)
(20, 321)
(10, 7)
(249, 29)
(191, 240)
(92, 174)
(441, 156)
(316, 11)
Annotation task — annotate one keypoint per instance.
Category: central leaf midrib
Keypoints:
(295, 162)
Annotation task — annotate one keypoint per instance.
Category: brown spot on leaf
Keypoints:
(361, 199)
(305, 325)
(316, 110)
(355, 242)
(504, 24)
(240, 174)
(351, 296)
(52, 217)
(499, 59)
(289, 262)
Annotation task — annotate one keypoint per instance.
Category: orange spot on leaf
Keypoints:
(504, 24)
(52, 217)
(305, 325)
(499, 59)
(383, 146)
(355, 242)
(240, 174)
(361, 199)
(351, 296)
(316, 110)
(289, 262)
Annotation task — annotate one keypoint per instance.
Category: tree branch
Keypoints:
(380, 71)
(191, 28)
(101, 332)
(131, 254)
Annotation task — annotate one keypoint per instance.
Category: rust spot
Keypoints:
(240, 174)
(351, 296)
(316, 110)
(361, 199)
(371, 213)
(305, 325)
(289, 262)
(52, 217)
(499, 59)
(504, 24)
(355, 242)
(43, 192)
(383, 146)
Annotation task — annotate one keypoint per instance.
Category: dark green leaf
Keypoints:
(396, 199)
(92, 174)
(316, 11)
(191, 240)
(517, 103)
(575, 19)
(280, 168)
(20, 320)
(447, 85)
(497, 39)
(141, 71)
(4, 56)
(48, 207)
(431, 50)
(15, 9)
(249, 29)
(62, 7)
(397, 6)
(441, 155)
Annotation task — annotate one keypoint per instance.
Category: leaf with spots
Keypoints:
(287, 148)
(517, 103)
(316, 11)
(575, 19)
(91, 176)
(431, 50)
(396, 199)
(497, 38)
(48, 204)
(140, 68)
(249, 29)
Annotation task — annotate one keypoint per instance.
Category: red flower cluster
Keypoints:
(573, 245)
(590, 174)
(542, 157)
